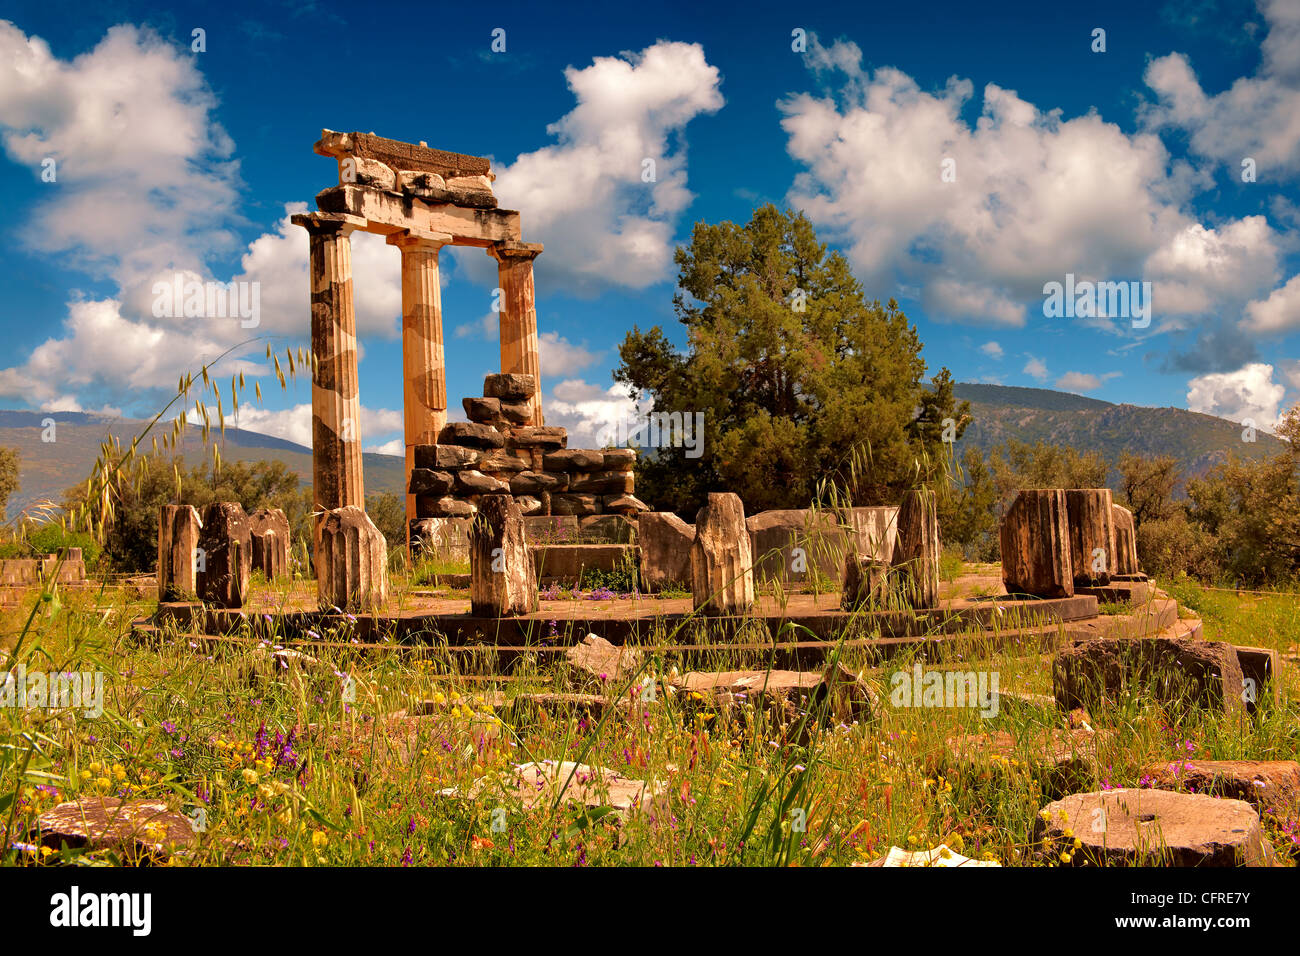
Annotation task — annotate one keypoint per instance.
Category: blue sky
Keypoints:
(1115, 165)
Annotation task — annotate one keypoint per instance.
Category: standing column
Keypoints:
(519, 314)
(335, 402)
(423, 365)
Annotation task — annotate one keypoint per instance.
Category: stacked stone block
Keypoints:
(498, 452)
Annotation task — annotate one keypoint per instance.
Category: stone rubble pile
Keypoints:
(497, 452)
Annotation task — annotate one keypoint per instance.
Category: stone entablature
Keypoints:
(421, 199)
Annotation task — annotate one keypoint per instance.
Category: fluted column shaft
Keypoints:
(519, 348)
(423, 363)
(335, 399)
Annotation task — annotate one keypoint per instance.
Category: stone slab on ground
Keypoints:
(1272, 785)
(1154, 827)
(603, 660)
(1128, 592)
(1066, 757)
(939, 856)
(138, 829)
(1177, 672)
(1024, 700)
(1259, 670)
(1158, 614)
(850, 698)
(538, 784)
(540, 707)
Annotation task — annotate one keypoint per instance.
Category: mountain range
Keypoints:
(1198, 441)
(48, 468)
(1000, 412)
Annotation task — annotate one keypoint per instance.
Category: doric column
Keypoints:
(335, 401)
(519, 314)
(423, 365)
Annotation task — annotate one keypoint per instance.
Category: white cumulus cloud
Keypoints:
(147, 190)
(585, 197)
(1257, 117)
(1279, 313)
(973, 218)
(592, 414)
(1083, 381)
(1037, 368)
(1249, 392)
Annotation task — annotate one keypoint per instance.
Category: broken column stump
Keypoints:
(1035, 543)
(722, 567)
(178, 543)
(665, 542)
(351, 561)
(225, 555)
(1092, 535)
(502, 579)
(1126, 555)
(916, 553)
(866, 582)
(269, 529)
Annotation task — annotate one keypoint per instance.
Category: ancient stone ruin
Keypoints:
(225, 555)
(423, 199)
(507, 466)
(269, 529)
(178, 543)
(495, 453)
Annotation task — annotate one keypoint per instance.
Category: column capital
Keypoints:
(328, 223)
(418, 239)
(510, 249)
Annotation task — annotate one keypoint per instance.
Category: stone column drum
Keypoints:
(1092, 535)
(1126, 556)
(423, 363)
(722, 562)
(916, 552)
(502, 578)
(178, 542)
(225, 555)
(1035, 544)
(269, 528)
(519, 349)
(351, 561)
